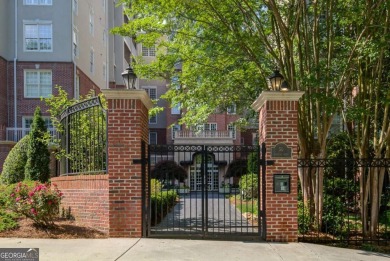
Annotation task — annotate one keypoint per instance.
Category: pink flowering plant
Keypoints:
(39, 203)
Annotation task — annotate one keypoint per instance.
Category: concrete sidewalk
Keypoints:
(173, 249)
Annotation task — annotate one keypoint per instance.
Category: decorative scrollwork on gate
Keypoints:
(84, 138)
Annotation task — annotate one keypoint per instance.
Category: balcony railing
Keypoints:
(204, 134)
(16, 134)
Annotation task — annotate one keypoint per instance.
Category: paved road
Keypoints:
(222, 216)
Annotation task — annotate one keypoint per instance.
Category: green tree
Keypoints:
(14, 164)
(38, 155)
(86, 133)
(335, 51)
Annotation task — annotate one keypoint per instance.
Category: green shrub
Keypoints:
(38, 155)
(14, 164)
(8, 220)
(249, 185)
(339, 196)
(155, 186)
(253, 162)
(303, 218)
(41, 203)
(161, 204)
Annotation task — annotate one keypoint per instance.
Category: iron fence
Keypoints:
(83, 138)
(344, 201)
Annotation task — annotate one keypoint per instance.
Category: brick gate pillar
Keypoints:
(278, 129)
(127, 126)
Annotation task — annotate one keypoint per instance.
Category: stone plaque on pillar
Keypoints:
(281, 150)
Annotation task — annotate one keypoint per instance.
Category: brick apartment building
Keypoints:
(46, 43)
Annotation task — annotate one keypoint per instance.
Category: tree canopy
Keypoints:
(227, 48)
(337, 52)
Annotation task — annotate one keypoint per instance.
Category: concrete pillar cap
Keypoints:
(275, 96)
(128, 94)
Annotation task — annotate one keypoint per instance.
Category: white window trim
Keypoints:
(25, 82)
(155, 133)
(76, 51)
(155, 117)
(234, 130)
(147, 88)
(174, 128)
(148, 50)
(176, 110)
(37, 22)
(45, 118)
(231, 110)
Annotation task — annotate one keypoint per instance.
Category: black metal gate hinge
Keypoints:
(268, 162)
(141, 161)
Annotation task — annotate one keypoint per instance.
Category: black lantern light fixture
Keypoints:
(284, 87)
(276, 81)
(129, 78)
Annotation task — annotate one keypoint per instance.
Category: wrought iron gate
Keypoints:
(200, 191)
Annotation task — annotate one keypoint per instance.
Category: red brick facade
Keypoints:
(127, 126)
(278, 123)
(86, 84)
(62, 75)
(87, 198)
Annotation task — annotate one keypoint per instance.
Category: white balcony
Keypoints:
(16, 134)
(199, 137)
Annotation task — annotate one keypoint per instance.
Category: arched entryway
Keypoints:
(196, 173)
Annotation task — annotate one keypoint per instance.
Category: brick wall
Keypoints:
(62, 74)
(87, 197)
(3, 97)
(281, 209)
(127, 126)
(86, 84)
(278, 123)
(161, 135)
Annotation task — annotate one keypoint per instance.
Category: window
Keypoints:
(207, 127)
(152, 137)
(37, 2)
(148, 51)
(152, 92)
(75, 43)
(175, 128)
(75, 6)
(231, 109)
(37, 83)
(27, 122)
(232, 129)
(38, 36)
(91, 61)
(176, 109)
(91, 21)
(255, 138)
(153, 119)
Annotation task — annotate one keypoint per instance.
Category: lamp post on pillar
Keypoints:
(278, 130)
(276, 82)
(129, 78)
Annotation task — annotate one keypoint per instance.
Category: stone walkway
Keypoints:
(222, 216)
